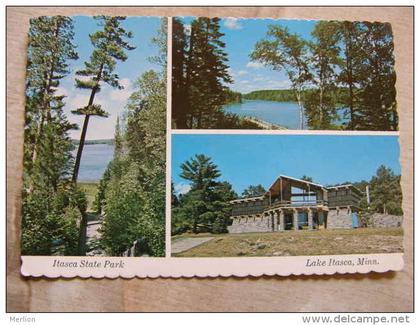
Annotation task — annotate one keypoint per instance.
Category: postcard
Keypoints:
(196, 146)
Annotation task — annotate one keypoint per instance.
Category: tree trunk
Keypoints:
(80, 149)
(85, 125)
(298, 97)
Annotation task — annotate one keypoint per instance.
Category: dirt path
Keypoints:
(92, 238)
(183, 244)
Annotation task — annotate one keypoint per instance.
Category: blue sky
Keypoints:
(112, 100)
(241, 35)
(258, 159)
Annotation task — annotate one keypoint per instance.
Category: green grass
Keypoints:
(90, 189)
(298, 243)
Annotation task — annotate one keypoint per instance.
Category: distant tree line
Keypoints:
(355, 56)
(200, 77)
(288, 95)
(232, 97)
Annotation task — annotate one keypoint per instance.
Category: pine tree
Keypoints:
(377, 107)
(52, 206)
(206, 73)
(253, 190)
(109, 45)
(386, 195)
(350, 36)
(180, 104)
(50, 47)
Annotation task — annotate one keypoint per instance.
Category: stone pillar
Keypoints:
(310, 220)
(275, 221)
(280, 214)
(269, 225)
(295, 220)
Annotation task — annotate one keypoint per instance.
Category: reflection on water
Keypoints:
(284, 114)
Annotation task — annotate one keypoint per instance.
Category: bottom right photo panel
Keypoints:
(285, 195)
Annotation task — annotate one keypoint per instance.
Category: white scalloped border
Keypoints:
(176, 267)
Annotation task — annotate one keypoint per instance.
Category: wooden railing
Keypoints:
(281, 204)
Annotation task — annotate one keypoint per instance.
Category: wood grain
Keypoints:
(392, 291)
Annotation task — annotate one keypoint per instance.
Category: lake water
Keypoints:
(95, 159)
(284, 114)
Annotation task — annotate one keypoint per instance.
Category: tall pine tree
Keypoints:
(109, 45)
(52, 206)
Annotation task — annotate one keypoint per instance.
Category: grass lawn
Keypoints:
(90, 190)
(297, 243)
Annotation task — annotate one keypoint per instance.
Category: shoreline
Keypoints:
(264, 124)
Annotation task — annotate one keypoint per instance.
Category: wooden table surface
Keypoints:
(392, 291)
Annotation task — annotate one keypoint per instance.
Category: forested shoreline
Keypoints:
(343, 77)
(355, 56)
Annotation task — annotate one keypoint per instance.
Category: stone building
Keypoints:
(292, 203)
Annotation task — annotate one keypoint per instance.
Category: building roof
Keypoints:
(345, 186)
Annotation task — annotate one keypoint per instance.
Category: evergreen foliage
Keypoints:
(254, 190)
(132, 191)
(199, 77)
(205, 208)
(53, 208)
(109, 45)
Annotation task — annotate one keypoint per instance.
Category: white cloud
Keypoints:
(232, 23)
(61, 91)
(187, 30)
(280, 84)
(242, 72)
(182, 188)
(255, 65)
(121, 95)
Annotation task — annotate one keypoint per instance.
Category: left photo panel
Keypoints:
(95, 137)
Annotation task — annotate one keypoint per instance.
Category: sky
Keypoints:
(259, 159)
(112, 100)
(240, 37)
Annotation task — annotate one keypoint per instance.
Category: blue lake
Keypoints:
(284, 114)
(95, 159)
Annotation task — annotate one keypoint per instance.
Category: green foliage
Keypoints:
(52, 207)
(108, 44)
(284, 51)
(199, 77)
(132, 191)
(254, 190)
(386, 195)
(50, 221)
(277, 95)
(347, 64)
(232, 97)
(205, 208)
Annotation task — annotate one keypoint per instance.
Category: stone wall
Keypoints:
(251, 224)
(339, 219)
(379, 220)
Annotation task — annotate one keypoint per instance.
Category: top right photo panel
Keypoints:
(274, 74)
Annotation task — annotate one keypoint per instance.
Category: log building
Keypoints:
(292, 203)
